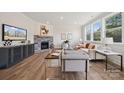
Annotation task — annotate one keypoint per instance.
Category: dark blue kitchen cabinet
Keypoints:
(10, 55)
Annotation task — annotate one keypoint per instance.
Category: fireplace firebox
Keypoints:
(44, 45)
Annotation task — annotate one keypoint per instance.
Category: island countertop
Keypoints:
(11, 46)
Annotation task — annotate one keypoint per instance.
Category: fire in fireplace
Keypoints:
(44, 45)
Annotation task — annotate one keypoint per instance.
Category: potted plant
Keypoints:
(66, 41)
(66, 44)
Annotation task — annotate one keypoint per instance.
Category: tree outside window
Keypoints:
(97, 28)
(113, 25)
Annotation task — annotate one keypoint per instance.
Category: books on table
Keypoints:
(55, 54)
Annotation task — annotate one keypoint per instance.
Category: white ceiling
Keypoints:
(62, 18)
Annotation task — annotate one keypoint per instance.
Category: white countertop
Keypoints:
(9, 46)
(108, 52)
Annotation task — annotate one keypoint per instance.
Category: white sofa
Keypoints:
(90, 52)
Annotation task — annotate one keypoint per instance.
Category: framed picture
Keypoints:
(63, 36)
(69, 36)
(13, 33)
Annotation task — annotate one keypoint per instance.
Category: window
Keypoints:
(88, 32)
(97, 28)
(113, 26)
(93, 31)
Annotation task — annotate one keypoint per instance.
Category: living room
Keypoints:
(45, 31)
(61, 46)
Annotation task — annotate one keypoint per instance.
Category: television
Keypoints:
(13, 33)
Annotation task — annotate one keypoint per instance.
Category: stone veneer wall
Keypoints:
(39, 39)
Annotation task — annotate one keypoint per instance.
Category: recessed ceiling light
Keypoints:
(61, 17)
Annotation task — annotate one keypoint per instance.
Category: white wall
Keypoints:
(56, 30)
(74, 29)
(19, 20)
(115, 47)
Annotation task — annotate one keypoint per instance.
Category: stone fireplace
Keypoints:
(43, 43)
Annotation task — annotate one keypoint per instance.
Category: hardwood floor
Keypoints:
(33, 68)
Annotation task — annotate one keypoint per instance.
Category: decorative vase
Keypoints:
(66, 46)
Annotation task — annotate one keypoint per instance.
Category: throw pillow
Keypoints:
(91, 46)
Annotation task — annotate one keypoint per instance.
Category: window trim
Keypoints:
(104, 31)
(91, 28)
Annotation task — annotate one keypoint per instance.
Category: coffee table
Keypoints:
(76, 56)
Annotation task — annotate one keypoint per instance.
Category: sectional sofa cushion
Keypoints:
(91, 46)
(85, 45)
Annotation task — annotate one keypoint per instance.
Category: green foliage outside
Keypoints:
(116, 34)
(112, 25)
(114, 21)
(89, 36)
(97, 35)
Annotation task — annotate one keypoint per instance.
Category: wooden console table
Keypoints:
(51, 57)
(110, 53)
